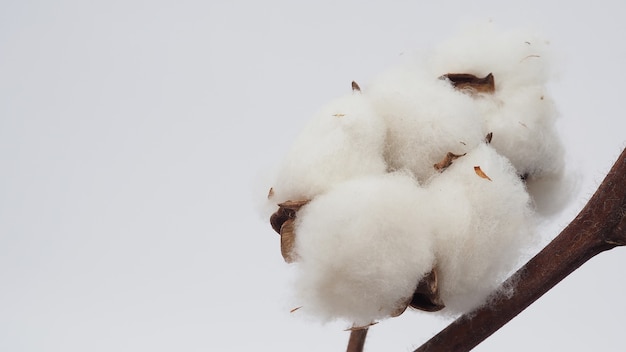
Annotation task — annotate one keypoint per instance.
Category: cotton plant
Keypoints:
(414, 191)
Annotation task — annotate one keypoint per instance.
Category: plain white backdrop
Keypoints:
(133, 140)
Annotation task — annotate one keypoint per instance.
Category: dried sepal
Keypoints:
(286, 210)
(355, 87)
(471, 84)
(447, 161)
(278, 218)
(426, 296)
(283, 222)
(294, 205)
(489, 137)
(480, 173)
(288, 240)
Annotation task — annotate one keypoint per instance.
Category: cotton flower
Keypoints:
(362, 247)
(345, 139)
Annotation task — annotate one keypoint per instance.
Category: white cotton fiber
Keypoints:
(426, 118)
(515, 58)
(523, 126)
(362, 248)
(345, 139)
(520, 112)
(481, 226)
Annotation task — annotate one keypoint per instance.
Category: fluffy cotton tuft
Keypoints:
(482, 223)
(345, 139)
(362, 248)
(520, 112)
(426, 118)
(516, 58)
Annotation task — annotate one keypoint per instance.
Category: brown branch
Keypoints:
(600, 226)
(357, 340)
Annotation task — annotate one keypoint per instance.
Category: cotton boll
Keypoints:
(362, 248)
(344, 139)
(520, 113)
(426, 118)
(482, 218)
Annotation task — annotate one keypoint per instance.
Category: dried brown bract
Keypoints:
(472, 84)
(480, 173)
(489, 137)
(288, 241)
(447, 161)
(294, 309)
(426, 296)
(355, 87)
(283, 222)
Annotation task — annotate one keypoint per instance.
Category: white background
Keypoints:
(133, 135)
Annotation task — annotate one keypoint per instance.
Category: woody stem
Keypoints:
(357, 340)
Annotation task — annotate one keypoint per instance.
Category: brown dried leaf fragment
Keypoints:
(294, 309)
(488, 137)
(288, 240)
(472, 84)
(355, 87)
(339, 115)
(294, 205)
(270, 194)
(283, 222)
(426, 296)
(278, 218)
(480, 173)
(447, 161)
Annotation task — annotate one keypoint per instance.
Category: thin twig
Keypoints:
(600, 226)
(357, 340)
